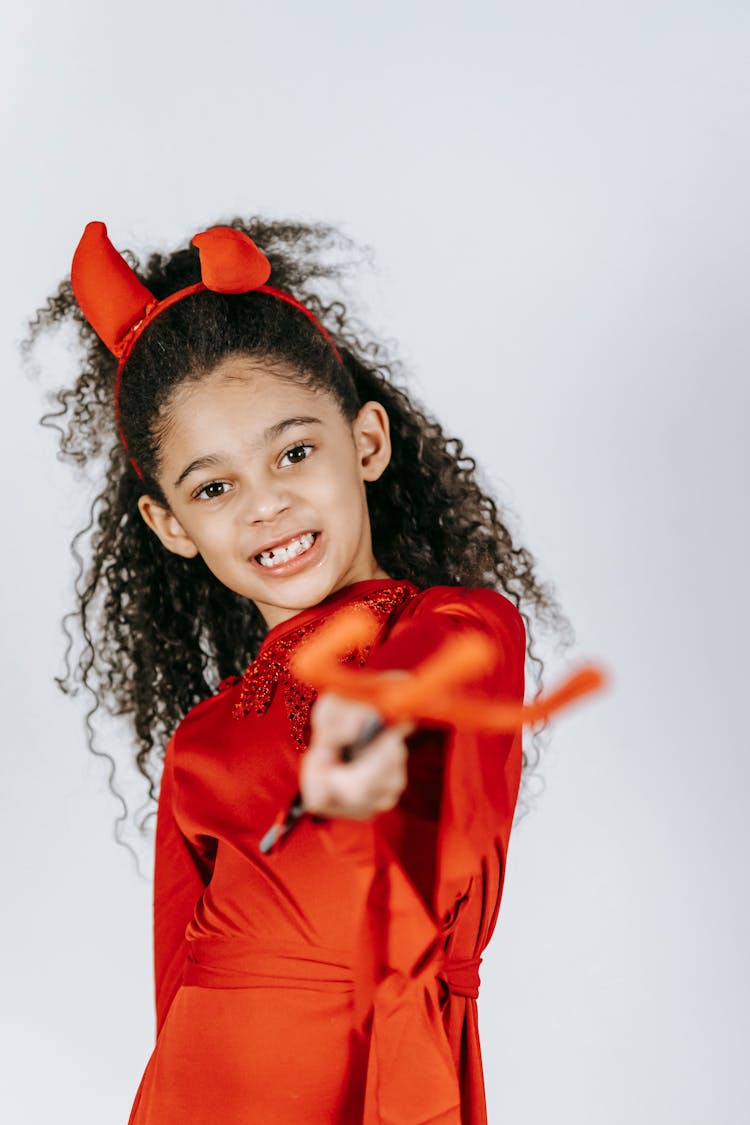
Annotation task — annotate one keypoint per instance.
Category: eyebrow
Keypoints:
(268, 435)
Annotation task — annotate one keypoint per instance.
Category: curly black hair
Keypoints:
(153, 633)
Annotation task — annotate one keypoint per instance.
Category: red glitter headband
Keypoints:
(118, 306)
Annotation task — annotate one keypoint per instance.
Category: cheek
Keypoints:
(344, 497)
(214, 542)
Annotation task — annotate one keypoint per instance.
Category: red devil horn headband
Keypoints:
(119, 307)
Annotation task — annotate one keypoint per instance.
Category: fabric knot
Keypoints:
(461, 976)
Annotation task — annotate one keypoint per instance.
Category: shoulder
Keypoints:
(478, 605)
(209, 715)
(425, 622)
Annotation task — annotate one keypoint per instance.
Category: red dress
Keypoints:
(333, 980)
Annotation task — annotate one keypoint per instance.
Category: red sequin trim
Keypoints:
(271, 666)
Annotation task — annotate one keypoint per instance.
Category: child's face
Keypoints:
(233, 488)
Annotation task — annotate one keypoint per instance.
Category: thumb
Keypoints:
(321, 751)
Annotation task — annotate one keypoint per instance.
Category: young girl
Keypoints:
(264, 472)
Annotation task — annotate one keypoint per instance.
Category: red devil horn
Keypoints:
(111, 297)
(230, 261)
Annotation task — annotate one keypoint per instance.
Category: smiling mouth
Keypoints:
(278, 555)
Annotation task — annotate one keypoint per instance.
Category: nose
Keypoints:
(265, 499)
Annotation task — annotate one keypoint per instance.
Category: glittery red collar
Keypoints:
(271, 665)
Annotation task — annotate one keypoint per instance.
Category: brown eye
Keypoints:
(294, 450)
(211, 490)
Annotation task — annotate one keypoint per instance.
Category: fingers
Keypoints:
(372, 782)
(375, 779)
(336, 722)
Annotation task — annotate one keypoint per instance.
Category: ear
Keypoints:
(372, 437)
(166, 527)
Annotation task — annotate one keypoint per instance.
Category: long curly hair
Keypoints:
(153, 633)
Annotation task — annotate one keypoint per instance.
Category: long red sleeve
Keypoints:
(180, 876)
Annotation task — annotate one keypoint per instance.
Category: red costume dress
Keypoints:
(333, 980)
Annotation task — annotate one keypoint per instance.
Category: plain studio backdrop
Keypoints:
(554, 198)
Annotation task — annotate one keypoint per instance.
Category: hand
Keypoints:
(372, 782)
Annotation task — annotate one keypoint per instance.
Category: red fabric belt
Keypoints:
(229, 962)
(235, 962)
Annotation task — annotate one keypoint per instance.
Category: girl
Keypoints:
(263, 472)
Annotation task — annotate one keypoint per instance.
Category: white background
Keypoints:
(556, 197)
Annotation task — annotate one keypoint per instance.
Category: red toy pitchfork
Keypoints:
(432, 693)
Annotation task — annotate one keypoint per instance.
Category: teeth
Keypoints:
(278, 555)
